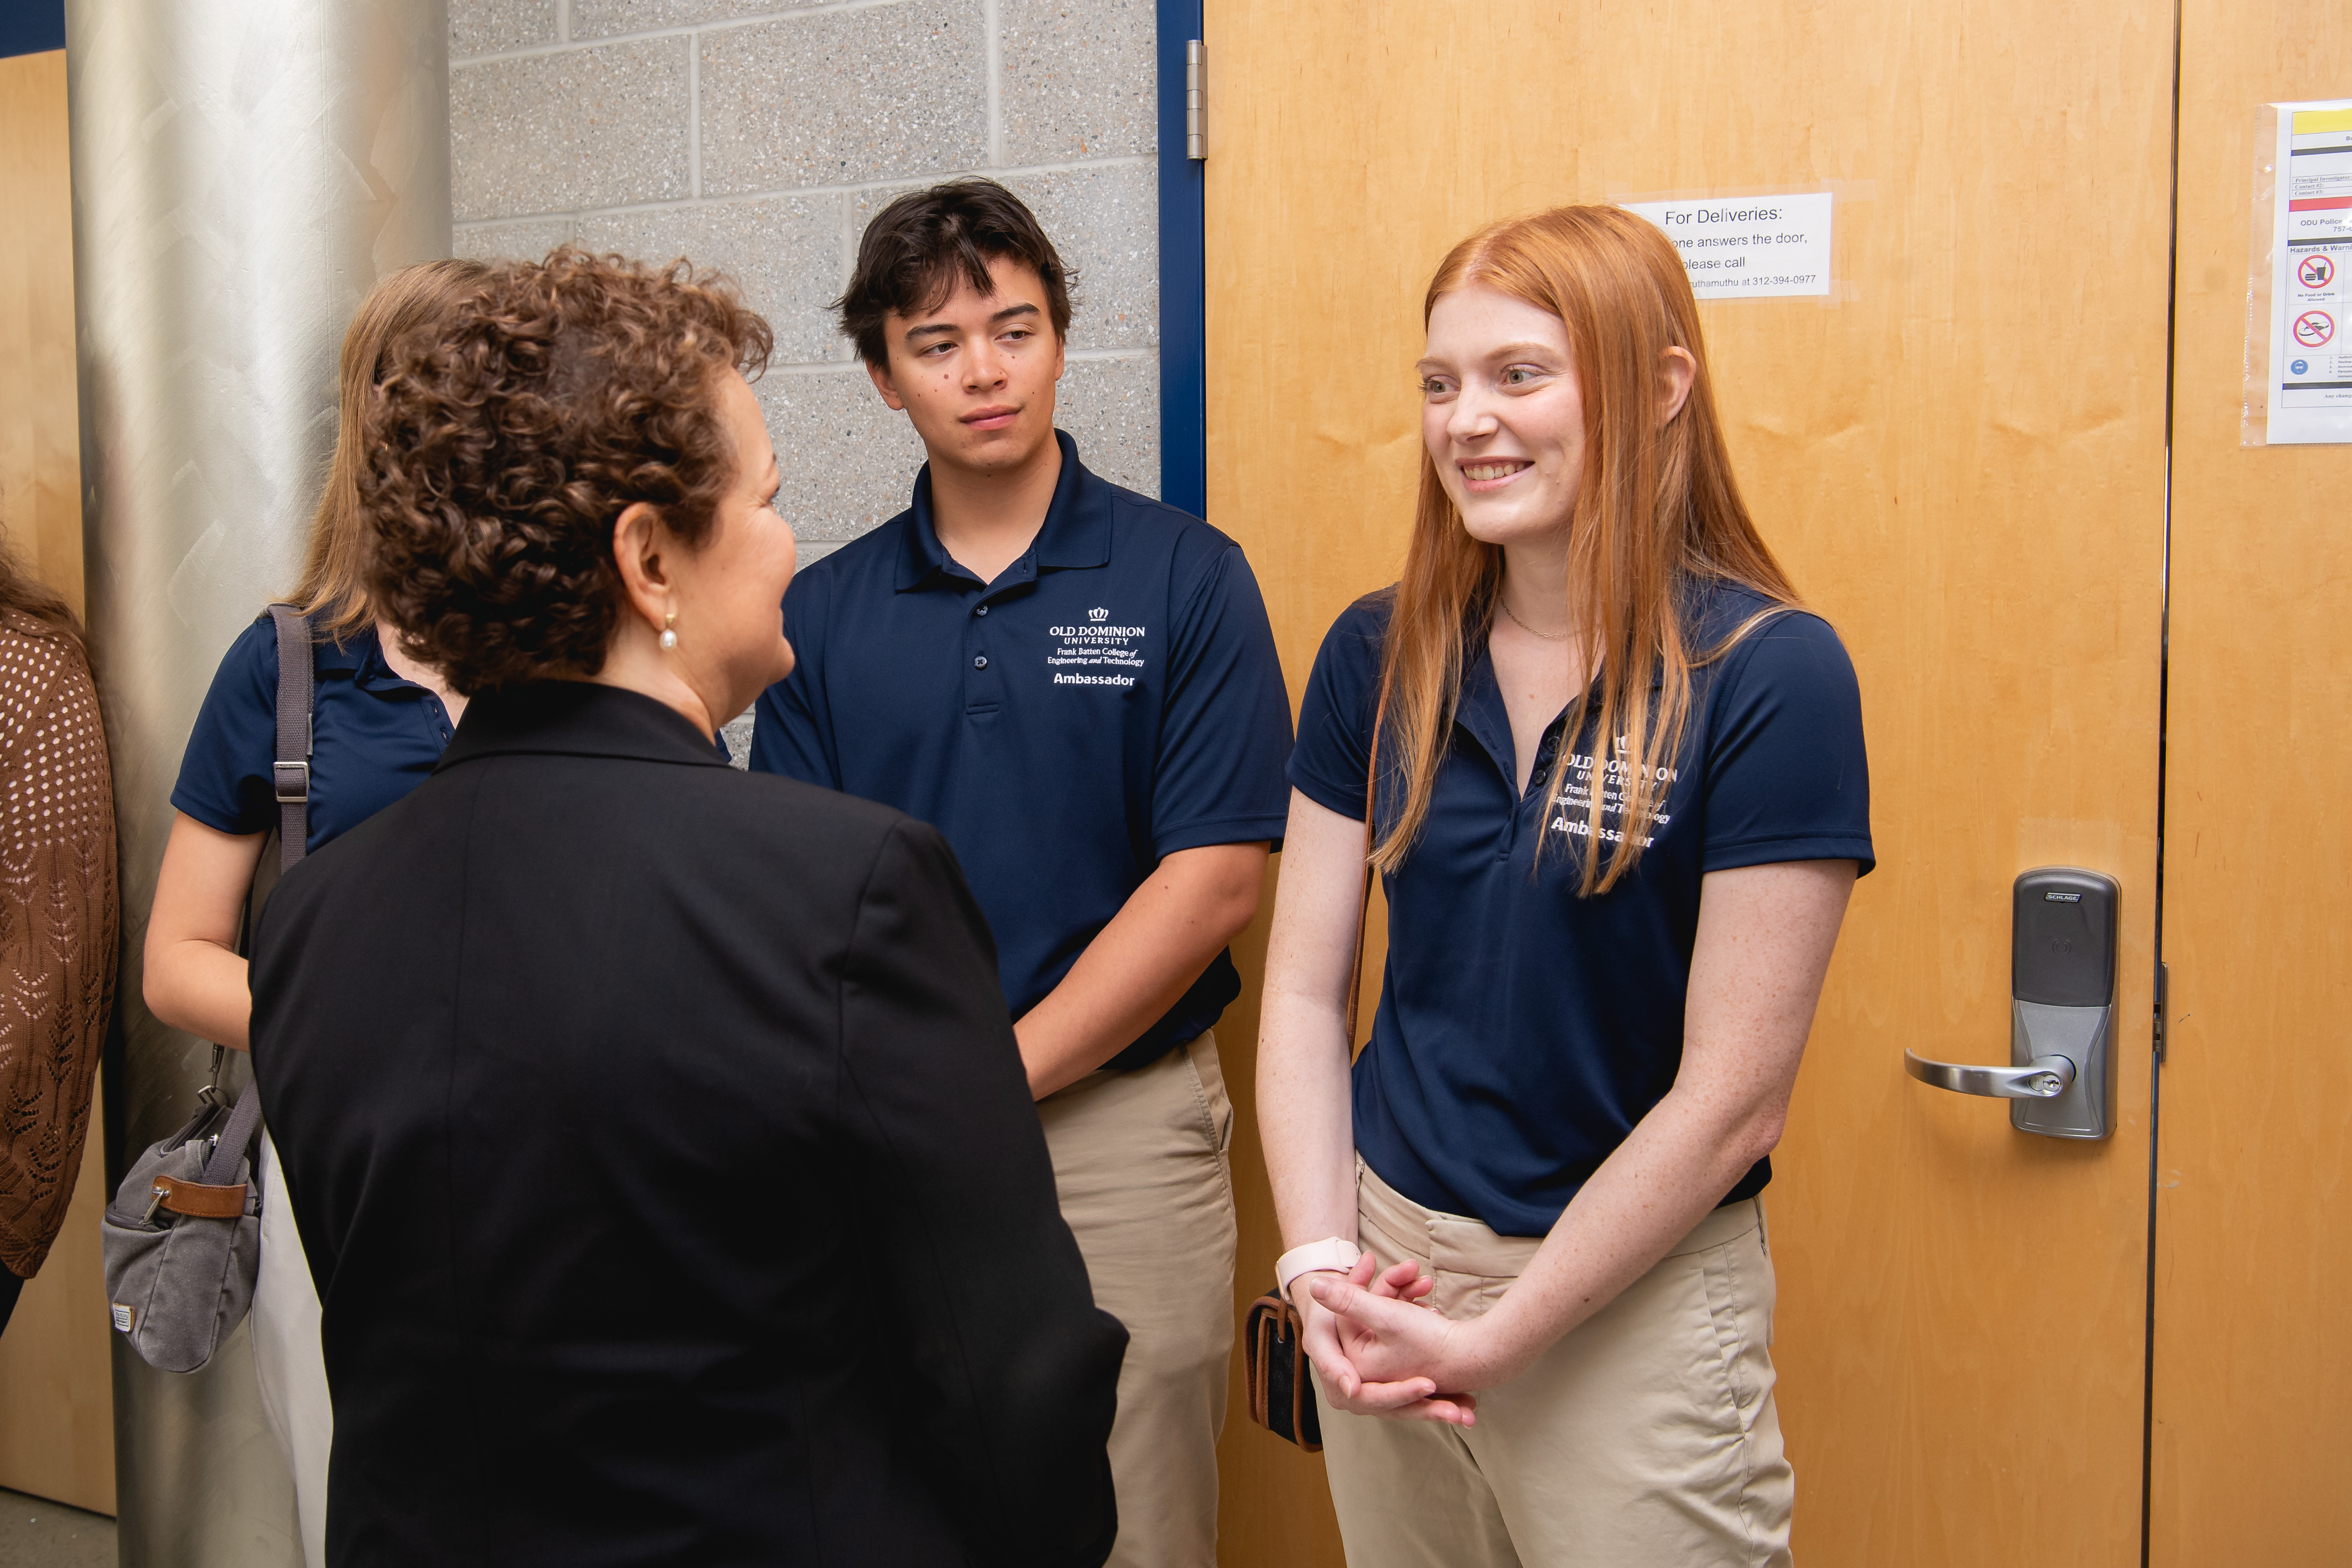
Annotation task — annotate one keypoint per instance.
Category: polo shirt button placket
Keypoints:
(1538, 781)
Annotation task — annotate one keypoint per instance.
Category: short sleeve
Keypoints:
(226, 774)
(1225, 728)
(1330, 763)
(790, 738)
(1787, 777)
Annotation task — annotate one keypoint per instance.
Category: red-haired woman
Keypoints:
(1618, 797)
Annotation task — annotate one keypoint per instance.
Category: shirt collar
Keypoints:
(1076, 533)
(576, 718)
(1480, 708)
(361, 656)
(358, 654)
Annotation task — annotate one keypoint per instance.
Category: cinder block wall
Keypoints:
(760, 138)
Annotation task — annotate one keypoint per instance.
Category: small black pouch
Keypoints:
(1281, 1394)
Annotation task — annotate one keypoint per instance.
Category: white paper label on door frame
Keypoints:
(2310, 390)
(1750, 247)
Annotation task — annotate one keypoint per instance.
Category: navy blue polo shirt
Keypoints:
(375, 736)
(1113, 697)
(1523, 1031)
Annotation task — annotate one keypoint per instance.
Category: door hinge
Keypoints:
(2163, 995)
(1196, 100)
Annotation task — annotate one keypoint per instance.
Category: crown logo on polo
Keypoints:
(1098, 614)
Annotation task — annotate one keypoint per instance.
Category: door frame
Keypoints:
(1183, 275)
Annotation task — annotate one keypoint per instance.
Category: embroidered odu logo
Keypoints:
(1109, 655)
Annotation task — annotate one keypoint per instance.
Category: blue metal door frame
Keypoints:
(1184, 338)
(37, 26)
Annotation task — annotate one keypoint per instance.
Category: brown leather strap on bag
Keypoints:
(1276, 1373)
(199, 1200)
(1253, 1348)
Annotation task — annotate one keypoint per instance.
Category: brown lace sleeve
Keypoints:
(57, 928)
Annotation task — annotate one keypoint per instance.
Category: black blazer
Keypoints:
(666, 1164)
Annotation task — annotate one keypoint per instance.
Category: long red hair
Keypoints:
(1657, 513)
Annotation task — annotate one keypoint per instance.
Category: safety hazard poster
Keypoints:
(2311, 275)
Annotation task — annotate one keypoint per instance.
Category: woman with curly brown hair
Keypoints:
(379, 720)
(659, 1130)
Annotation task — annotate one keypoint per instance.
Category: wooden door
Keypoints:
(57, 1384)
(1961, 460)
(2253, 1212)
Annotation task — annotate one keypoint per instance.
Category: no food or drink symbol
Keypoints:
(2316, 271)
(2314, 328)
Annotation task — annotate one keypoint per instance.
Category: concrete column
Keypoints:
(243, 170)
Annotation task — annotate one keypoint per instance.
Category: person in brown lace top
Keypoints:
(58, 916)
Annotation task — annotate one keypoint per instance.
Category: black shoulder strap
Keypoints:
(296, 677)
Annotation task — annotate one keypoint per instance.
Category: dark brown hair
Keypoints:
(921, 246)
(333, 589)
(27, 595)
(505, 444)
(1658, 512)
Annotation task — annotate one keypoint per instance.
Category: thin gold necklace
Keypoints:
(1505, 605)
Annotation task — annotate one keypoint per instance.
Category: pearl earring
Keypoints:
(669, 630)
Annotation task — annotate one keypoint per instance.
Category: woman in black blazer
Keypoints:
(668, 1173)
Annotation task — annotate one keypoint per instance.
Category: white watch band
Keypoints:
(1333, 1252)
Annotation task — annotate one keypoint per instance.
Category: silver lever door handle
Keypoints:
(2043, 1078)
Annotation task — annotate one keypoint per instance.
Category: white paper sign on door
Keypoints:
(2311, 275)
(1750, 247)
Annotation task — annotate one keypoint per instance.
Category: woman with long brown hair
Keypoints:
(379, 721)
(1612, 778)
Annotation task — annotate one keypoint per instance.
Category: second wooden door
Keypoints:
(1960, 454)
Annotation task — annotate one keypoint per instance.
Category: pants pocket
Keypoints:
(1209, 1089)
(1216, 1112)
(1739, 1303)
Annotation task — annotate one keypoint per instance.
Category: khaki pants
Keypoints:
(1140, 1164)
(1646, 1439)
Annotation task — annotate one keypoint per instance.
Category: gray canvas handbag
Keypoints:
(181, 1240)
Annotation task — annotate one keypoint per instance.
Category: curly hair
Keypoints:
(505, 441)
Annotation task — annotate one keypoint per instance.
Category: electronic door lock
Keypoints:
(2061, 1082)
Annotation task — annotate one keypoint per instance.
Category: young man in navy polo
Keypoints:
(1079, 687)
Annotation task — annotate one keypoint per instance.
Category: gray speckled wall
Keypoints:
(760, 138)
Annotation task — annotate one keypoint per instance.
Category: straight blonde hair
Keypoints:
(1658, 512)
(332, 590)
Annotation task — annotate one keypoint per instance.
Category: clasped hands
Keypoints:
(1379, 1349)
